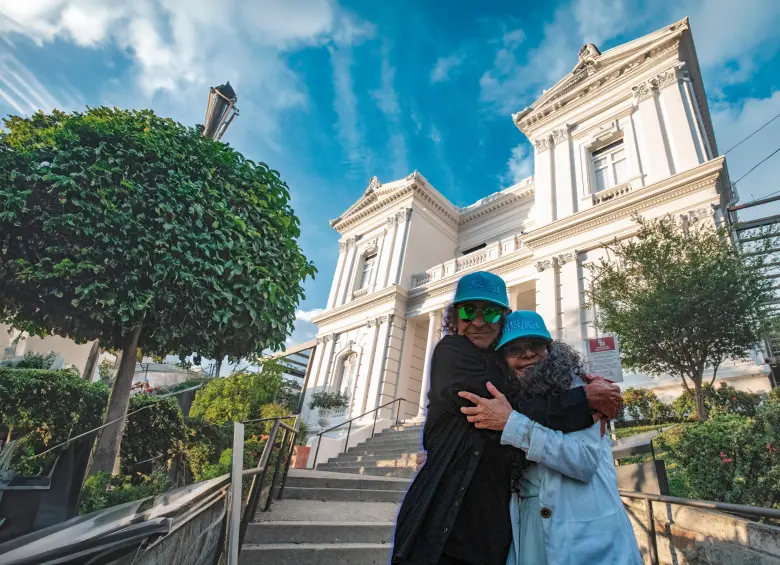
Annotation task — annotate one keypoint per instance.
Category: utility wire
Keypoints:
(752, 134)
(761, 162)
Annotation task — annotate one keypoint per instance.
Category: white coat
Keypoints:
(584, 521)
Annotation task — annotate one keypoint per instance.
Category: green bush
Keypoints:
(204, 444)
(328, 400)
(643, 404)
(153, 435)
(44, 408)
(101, 490)
(37, 360)
(106, 370)
(236, 398)
(729, 458)
(718, 401)
(274, 410)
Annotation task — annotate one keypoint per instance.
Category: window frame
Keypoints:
(371, 259)
(607, 151)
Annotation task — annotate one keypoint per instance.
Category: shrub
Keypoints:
(153, 435)
(106, 370)
(101, 490)
(236, 398)
(45, 408)
(638, 402)
(722, 400)
(729, 458)
(204, 444)
(274, 410)
(37, 360)
(328, 400)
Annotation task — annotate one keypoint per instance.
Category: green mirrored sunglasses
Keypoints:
(491, 314)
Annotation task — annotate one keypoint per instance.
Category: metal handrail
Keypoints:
(349, 428)
(649, 498)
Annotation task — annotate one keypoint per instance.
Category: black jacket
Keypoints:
(466, 471)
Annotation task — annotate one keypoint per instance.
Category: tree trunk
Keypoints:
(110, 438)
(698, 394)
(89, 368)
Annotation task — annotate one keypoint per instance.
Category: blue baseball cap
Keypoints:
(523, 323)
(482, 286)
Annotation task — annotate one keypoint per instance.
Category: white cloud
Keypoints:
(734, 122)
(444, 66)
(305, 329)
(21, 90)
(386, 99)
(308, 315)
(178, 48)
(519, 166)
(435, 134)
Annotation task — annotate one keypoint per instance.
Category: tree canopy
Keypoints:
(681, 299)
(133, 229)
(238, 397)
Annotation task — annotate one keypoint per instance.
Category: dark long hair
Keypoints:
(551, 376)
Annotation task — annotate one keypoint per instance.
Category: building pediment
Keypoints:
(595, 70)
(379, 196)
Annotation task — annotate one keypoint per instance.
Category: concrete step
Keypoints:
(400, 472)
(393, 439)
(415, 446)
(319, 532)
(328, 511)
(335, 464)
(412, 432)
(343, 494)
(405, 428)
(344, 482)
(315, 554)
(371, 458)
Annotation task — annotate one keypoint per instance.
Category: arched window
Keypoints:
(348, 367)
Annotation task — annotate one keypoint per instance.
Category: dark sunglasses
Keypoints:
(519, 347)
(491, 314)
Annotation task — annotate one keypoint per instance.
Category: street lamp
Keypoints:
(220, 111)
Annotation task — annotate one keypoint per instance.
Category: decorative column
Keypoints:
(402, 217)
(547, 295)
(373, 384)
(349, 268)
(337, 276)
(564, 185)
(434, 324)
(387, 251)
(571, 324)
(685, 150)
(544, 181)
(657, 150)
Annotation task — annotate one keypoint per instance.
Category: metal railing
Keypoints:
(348, 423)
(740, 509)
(192, 524)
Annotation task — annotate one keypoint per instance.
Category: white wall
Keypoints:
(428, 244)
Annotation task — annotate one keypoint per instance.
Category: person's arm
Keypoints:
(455, 367)
(569, 411)
(575, 454)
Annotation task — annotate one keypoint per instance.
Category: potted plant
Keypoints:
(327, 402)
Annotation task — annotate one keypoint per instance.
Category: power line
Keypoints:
(761, 162)
(752, 134)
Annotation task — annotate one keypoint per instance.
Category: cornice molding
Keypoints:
(642, 199)
(392, 294)
(587, 87)
(654, 85)
(500, 202)
(444, 208)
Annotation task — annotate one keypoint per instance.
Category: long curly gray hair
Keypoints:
(551, 376)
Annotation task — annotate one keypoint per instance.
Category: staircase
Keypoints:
(344, 517)
(388, 454)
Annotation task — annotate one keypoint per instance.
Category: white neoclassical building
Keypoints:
(626, 131)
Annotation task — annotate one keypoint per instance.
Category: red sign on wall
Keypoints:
(599, 344)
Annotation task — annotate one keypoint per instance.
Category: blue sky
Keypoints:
(333, 93)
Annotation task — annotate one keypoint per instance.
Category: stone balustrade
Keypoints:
(611, 193)
(467, 262)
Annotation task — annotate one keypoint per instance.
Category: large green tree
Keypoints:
(135, 230)
(681, 299)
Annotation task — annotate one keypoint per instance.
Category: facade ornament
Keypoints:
(654, 85)
(370, 323)
(567, 257)
(413, 176)
(403, 214)
(347, 243)
(543, 144)
(643, 91)
(588, 52)
(561, 135)
(392, 221)
(544, 264)
(325, 338)
(373, 184)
